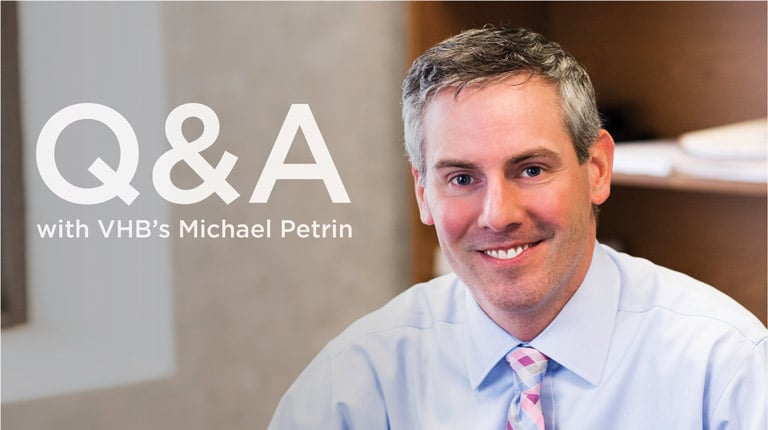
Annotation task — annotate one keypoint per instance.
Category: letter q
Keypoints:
(115, 183)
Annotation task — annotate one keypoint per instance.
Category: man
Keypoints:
(540, 326)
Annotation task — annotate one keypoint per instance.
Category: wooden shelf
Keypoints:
(688, 183)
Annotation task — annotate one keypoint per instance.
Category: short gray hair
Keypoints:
(491, 54)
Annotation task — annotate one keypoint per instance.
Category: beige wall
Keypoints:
(249, 314)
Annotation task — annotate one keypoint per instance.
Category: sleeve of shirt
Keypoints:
(744, 403)
(338, 390)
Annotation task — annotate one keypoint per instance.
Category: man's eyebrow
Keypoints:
(537, 153)
(454, 164)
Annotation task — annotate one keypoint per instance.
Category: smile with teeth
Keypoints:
(510, 253)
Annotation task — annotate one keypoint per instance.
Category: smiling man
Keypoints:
(509, 197)
(540, 326)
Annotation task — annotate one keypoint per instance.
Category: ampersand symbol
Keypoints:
(214, 178)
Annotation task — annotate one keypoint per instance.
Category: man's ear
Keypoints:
(601, 167)
(418, 185)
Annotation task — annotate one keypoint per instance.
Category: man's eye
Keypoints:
(532, 171)
(462, 179)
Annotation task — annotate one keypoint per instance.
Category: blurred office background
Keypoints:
(208, 333)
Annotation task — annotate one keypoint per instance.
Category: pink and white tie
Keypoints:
(525, 410)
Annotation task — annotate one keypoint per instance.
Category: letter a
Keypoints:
(299, 116)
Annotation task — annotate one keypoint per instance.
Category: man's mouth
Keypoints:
(508, 254)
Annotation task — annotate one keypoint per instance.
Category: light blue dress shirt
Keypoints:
(638, 346)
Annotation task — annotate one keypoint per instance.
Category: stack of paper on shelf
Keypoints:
(736, 152)
(741, 141)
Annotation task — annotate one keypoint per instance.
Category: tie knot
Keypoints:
(529, 365)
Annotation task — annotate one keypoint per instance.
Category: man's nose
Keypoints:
(502, 206)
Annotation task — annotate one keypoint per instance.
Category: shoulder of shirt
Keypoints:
(647, 287)
(419, 308)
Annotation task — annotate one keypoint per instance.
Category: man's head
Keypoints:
(485, 56)
(498, 173)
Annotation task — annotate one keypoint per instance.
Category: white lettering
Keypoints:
(299, 117)
(115, 183)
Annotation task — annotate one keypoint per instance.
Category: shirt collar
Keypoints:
(580, 335)
(578, 338)
(488, 342)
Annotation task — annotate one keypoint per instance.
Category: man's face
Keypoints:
(510, 202)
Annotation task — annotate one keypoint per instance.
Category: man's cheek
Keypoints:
(553, 203)
(455, 218)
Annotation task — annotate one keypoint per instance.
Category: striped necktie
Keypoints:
(525, 410)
